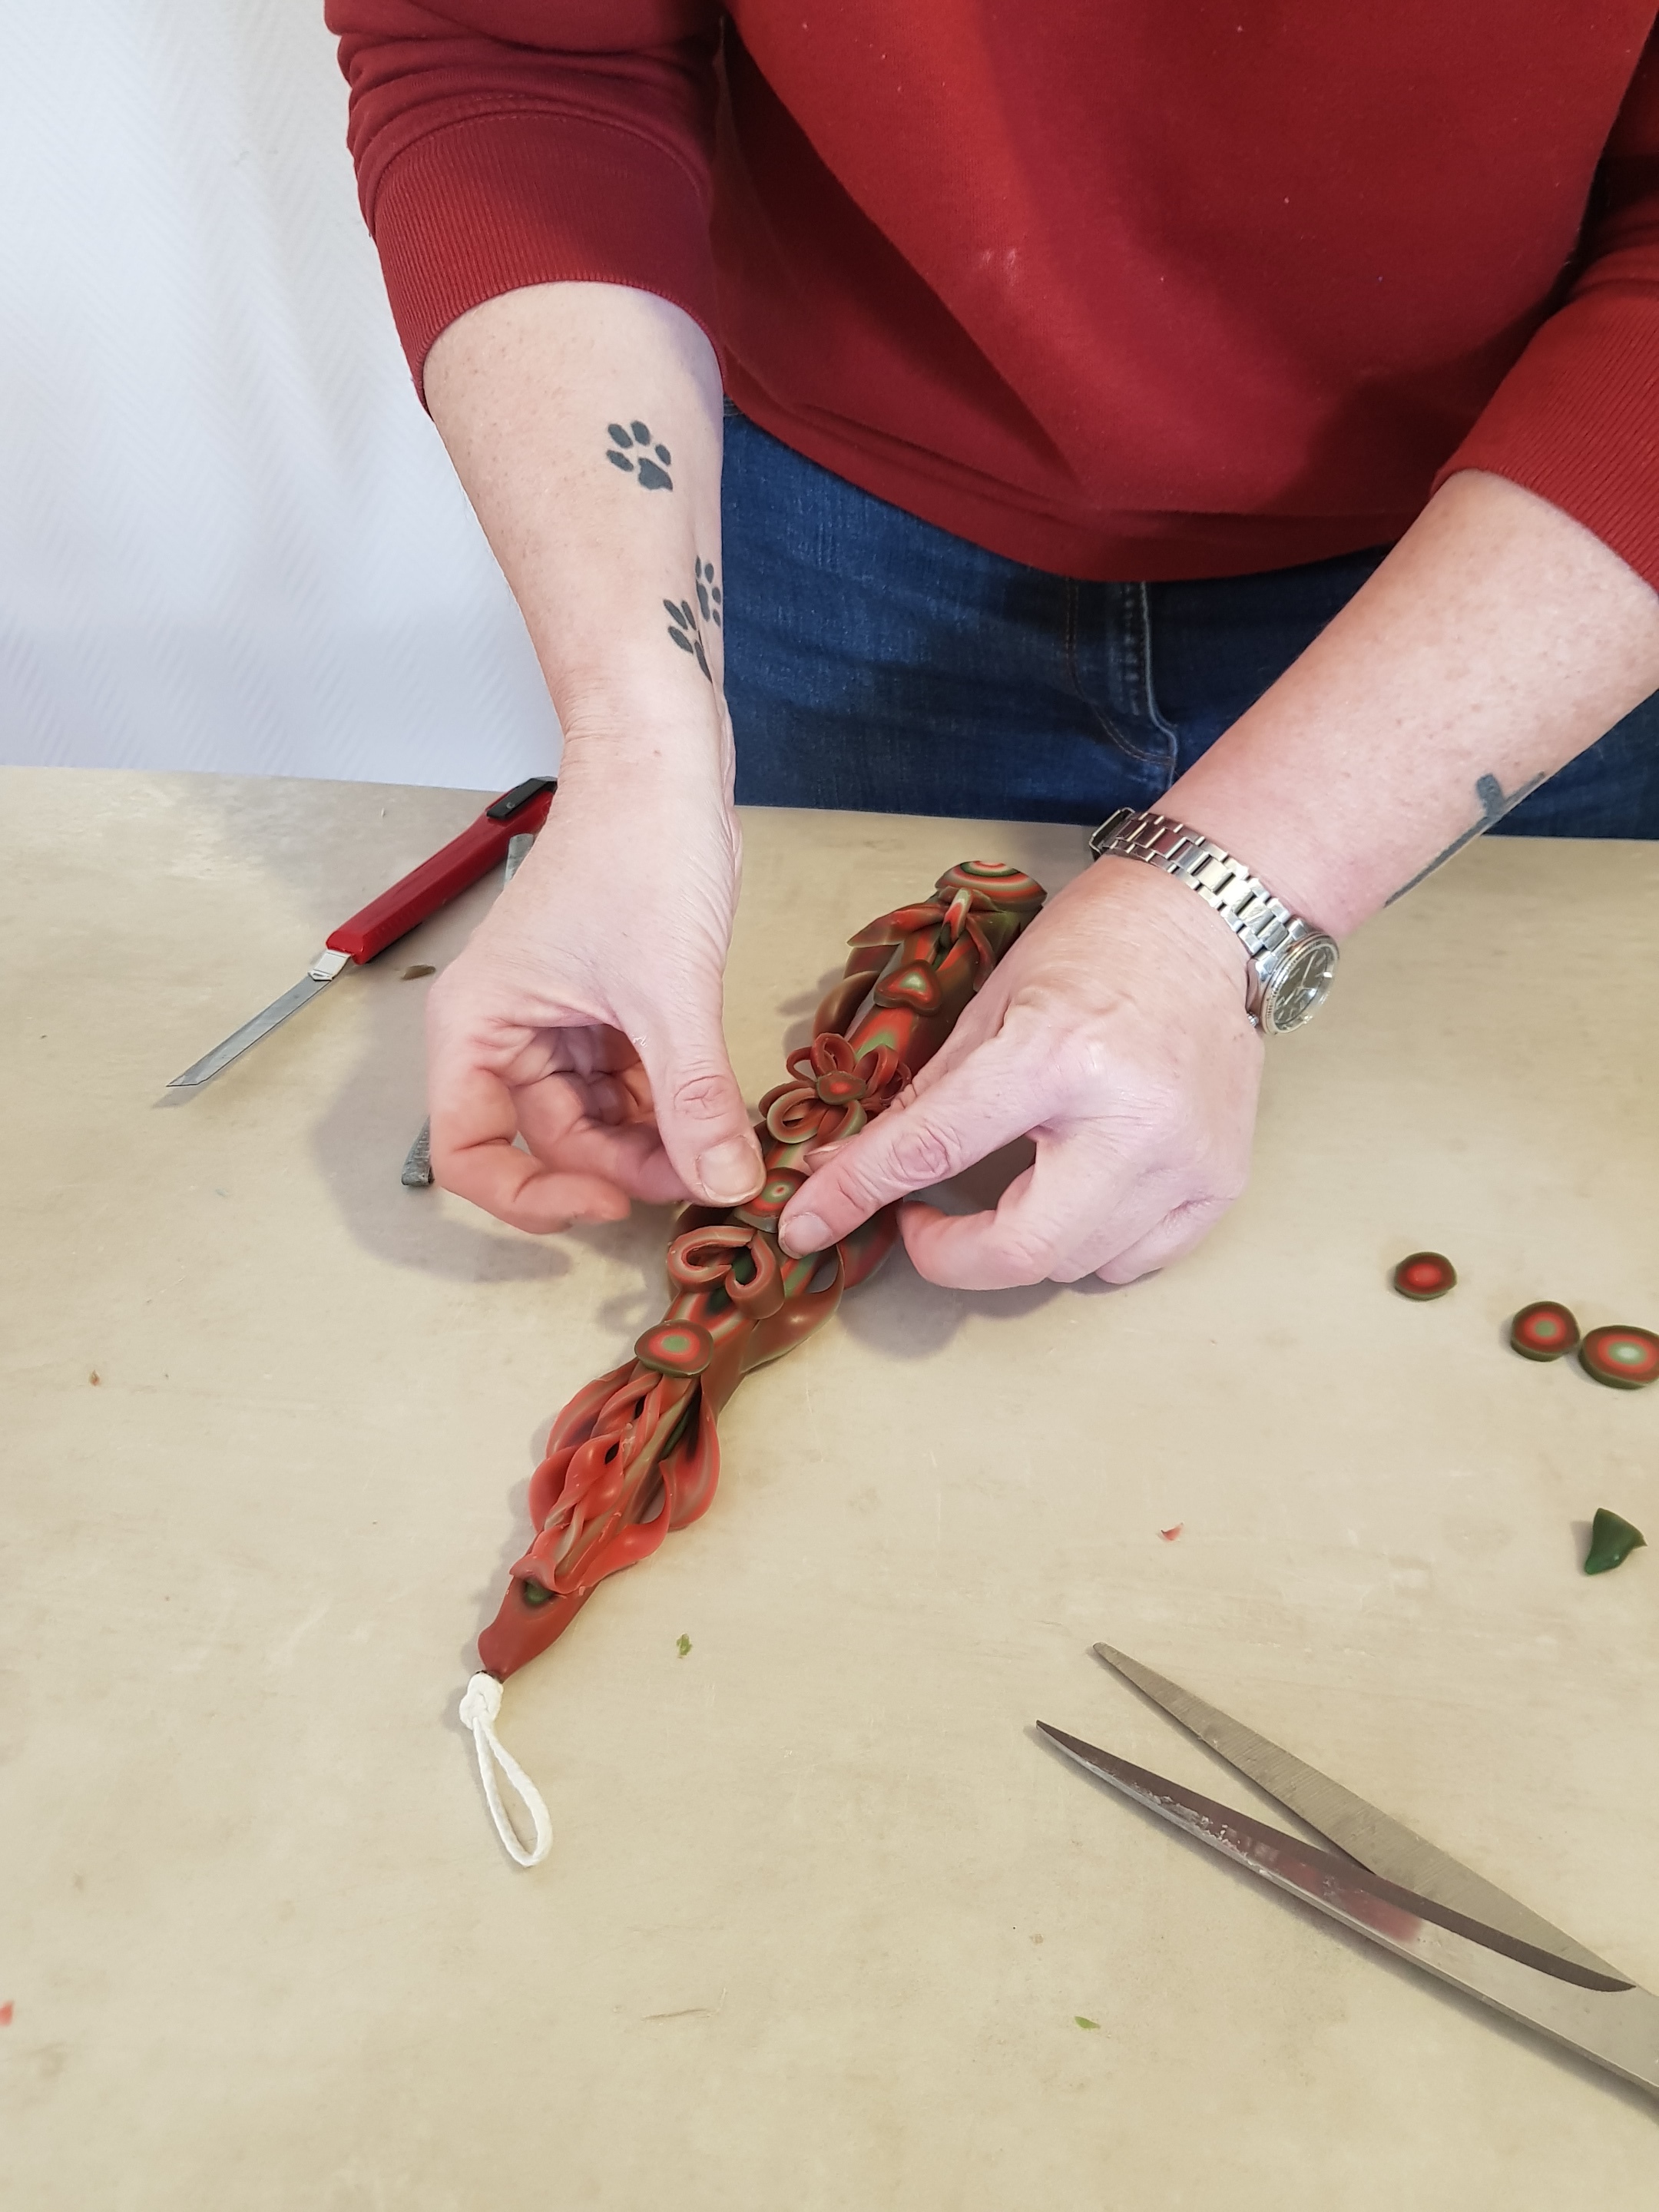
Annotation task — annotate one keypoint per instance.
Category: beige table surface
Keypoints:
(820, 1916)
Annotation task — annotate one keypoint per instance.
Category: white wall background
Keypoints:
(229, 537)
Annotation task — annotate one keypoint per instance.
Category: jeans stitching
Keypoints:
(1103, 722)
(1108, 728)
(1143, 629)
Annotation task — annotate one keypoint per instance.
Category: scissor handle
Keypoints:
(480, 846)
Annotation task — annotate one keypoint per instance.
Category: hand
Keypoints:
(584, 1016)
(1114, 1035)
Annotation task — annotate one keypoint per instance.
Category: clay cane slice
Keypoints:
(1544, 1330)
(1425, 1275)
(1622, 1357)
(763, 1210)
(676, 1347)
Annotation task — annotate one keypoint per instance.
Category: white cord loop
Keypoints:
(480, 1703)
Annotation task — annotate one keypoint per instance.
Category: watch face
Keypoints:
(1300, 985)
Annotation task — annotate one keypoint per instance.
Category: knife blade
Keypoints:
(317, 977)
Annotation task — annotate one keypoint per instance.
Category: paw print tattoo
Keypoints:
(637, 441)
(709, 592)
(684, 626)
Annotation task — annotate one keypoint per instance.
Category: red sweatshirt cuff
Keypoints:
(1577, 421)
(503, 200)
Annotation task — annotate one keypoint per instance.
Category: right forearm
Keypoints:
(527, 391)
(576, 1059)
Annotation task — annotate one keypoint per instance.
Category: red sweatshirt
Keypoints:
(1125, 288)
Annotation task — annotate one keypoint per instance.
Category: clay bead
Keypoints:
(1544, 1330)
(1622, 1357)
(1425, 1275)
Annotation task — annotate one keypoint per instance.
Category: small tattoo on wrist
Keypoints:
(1495, 803)
(685, 626)
(633, 451)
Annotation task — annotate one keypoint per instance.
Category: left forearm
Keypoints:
(1497, 640)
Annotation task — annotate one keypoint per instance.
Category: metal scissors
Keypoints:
(1390, 1885)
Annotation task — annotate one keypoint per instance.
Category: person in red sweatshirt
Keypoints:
(1238, 419)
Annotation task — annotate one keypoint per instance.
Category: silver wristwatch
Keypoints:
(1292, 964)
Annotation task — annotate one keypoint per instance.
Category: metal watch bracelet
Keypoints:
(1270, 934)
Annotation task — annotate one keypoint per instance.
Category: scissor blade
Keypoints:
(1602, 2016)
(317, 977)
(417, 1162)
(1387, 1846)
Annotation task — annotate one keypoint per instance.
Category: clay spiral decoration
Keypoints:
(636, 1453)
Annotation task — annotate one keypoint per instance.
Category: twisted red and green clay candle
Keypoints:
(637, 1453)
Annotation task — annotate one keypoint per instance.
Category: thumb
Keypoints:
(700, 1116)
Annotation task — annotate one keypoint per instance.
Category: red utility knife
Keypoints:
(384, 920)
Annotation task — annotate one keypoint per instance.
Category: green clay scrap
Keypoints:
(1425, 1275)
(1544, 1331)
(1624, 1357)
(1612, 1541)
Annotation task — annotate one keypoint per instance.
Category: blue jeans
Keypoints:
(874, 661)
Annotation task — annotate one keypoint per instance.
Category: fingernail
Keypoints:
(730, 1172)
(801, 1234)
